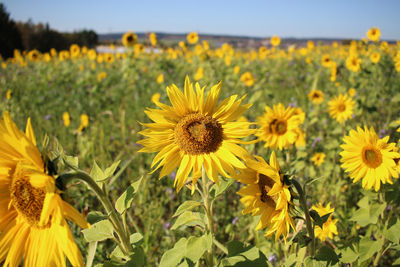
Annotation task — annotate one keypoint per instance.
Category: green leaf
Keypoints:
(318, 219)
(327, 254)
(95, 216)
(392, 232)
(125, 200)
(99, 231)
(242, 256)
(71, 161)
(367, 214)
(173, 257)
(110, 170)
(196, 246)
(188, 218)
(224, 184)
(368, 248)
(187, 205)
(97, 174)
(396, 262)
(135, 238)
(348, 255)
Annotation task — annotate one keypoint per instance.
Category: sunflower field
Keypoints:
(201, 155)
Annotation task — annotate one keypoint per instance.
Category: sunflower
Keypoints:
(153, 39)
(341, 107)
(247, 78)
(199, 74)
(84, 122)
(192, 38)
(75, 50)
(326, 61)
(280, 126)
(266, 195)
(375, 57)
(160, 78)
(353, 63)
(316, 96)
(32, 225)
(66, 119)
(34, 55)
(329, 227)
(196, 132)
(275, 40)
(370, 158)
(374, 34)
(129, 39)
(318, 158)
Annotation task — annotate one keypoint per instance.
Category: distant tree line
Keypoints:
(29, 36)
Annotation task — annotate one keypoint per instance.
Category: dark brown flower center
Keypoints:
(26, 199)
(341, 107)
(372, 157)
(278, 127)
(265, 184)
(129, 38)
(198, 134)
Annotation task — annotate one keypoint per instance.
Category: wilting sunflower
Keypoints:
(341, 107)
(318, 158)
(266, 195)
(374, 34)
(192, 38)
(370, 158)
(316, 96)
(275, 40)
(129, 39)
(329, 227)
(196, 132)
(280, 126)
(32, 214)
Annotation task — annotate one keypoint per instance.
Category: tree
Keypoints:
(10, 37)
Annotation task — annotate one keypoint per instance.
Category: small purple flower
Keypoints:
(272, 259)
(47, 117)
(235, 220)
(382, 133)
(316, 140)
(373, 237)
(167, 225)
(172, 175)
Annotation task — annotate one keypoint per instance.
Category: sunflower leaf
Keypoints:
(187, 205)
(125, 200)
(99, 231)
(224, 184)
(110, 170)
(174, 256)
(97, 173)
(188, 218)
(196, 246)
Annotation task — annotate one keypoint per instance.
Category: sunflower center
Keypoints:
(278, 127)
(315, 95)
(26, 199)
(265, 184)
(198, 134)
(129, 38)
(341, 107)
(372, 157)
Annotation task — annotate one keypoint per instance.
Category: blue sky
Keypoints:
(302, 19)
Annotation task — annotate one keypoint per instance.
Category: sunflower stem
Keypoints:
(209, 214)
(303, 203)
(124, 243)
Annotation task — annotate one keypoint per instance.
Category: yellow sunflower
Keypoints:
(153, 39)
(318, 158)
(375, 57)
(370, 158)
(280, 126)
(247, 78)
(326, 61)
(353, 63)
(316, 96)
(34, 55)
(266, 195)
(32, 214)
(196, 132)
(75, 50)
(329, 227)
(374, 34)
(341, 107)
(192, 38)
(129, 39)
(66, 119)
(275, 40)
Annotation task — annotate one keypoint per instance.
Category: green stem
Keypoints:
(220, 246)
(110, 211)
(303, 203)
(209, 213)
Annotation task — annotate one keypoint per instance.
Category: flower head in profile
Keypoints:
(195, 132)
(8, 94)
(318, 158)
(66, 119)
(129, 39)
(275, 40)
(33, 225)
(329, 227)
(374, 34)
(369, 158)
(279, 126)
(192, 38)
(316, 96)
(247, 78)
(341, 107)
(84, 122)
(153, 39)
(266, 195)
